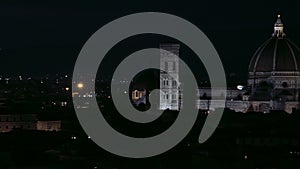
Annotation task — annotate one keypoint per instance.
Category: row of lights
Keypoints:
(295, 152)
(75, 138)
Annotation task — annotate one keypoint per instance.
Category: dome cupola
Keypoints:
(278, 28)
(278, 53)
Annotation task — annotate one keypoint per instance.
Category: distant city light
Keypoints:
(67, 89)
(80, 85)
(63, 104)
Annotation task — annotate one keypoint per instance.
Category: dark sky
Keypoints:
(38, 37)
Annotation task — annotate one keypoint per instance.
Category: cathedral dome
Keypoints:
(278, 53)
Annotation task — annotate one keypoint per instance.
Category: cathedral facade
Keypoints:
(273, 77)
(274, 73)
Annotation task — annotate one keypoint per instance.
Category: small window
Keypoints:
(174, 83)
(136, 94)
(284, 84)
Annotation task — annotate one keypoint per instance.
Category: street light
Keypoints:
(80, 85)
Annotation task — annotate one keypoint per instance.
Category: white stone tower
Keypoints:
(170, 97)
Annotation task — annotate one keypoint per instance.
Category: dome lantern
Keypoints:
(278, 28)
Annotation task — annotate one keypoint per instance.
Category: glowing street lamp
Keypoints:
(80, 85)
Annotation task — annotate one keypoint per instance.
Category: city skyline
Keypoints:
(73, 96)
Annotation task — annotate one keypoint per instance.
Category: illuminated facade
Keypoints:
(48, 125)
(138, 96)
(9, 122)
(170, 97)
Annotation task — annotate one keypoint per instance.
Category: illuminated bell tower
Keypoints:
(169, 77)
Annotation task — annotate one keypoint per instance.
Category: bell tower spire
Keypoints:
(278, 28)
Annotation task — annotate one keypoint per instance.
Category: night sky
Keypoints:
(39, 37)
